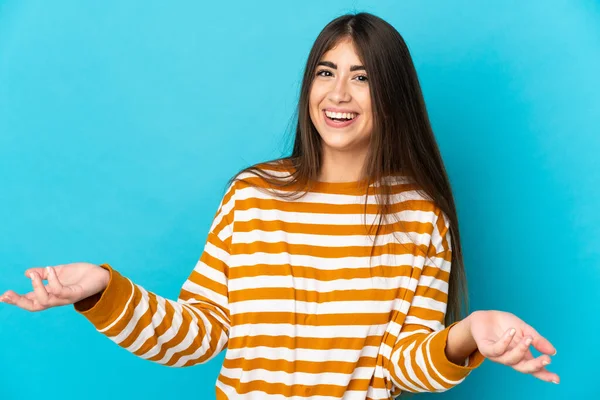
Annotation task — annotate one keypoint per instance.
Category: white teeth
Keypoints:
(338, 115)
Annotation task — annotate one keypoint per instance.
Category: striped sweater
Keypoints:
(303, 303)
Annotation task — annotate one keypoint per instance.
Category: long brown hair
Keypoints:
(402, 140)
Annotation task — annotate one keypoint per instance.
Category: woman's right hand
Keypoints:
(67, 284)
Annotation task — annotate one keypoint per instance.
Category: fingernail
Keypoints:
(512, 332)
(48, 270)
(545, 362)
(528, 341)
(554, 353)
(555, 382)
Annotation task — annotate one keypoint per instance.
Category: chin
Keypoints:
(340, 144)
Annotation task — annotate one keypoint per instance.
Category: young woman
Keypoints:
(336, 271)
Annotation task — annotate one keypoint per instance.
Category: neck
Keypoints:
(342, 166)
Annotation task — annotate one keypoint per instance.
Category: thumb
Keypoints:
(40, 271)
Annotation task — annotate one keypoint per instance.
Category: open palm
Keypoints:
(504, 338)
(67, 284)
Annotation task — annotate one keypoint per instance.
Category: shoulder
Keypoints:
(262, 175)
(408, 197)
(255, 178)
(418, 213)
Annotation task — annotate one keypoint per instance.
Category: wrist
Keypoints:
(105, 278)
(460, 344)
(469, 331)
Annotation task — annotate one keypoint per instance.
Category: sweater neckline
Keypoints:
(358, 187)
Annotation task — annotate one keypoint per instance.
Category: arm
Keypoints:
(427, 356)
(180, 333)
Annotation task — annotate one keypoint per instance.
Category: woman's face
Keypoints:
(340, 101)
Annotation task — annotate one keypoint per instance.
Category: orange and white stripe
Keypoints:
(288, 287)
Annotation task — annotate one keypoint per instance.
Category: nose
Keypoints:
(339, 92)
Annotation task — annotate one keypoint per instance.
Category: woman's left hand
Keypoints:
(504, 338)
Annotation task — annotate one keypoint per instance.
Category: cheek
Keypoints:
(314, 100)
(312, 111)
(365, 105)
(365, 102)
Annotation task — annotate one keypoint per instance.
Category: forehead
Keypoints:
(343, 52)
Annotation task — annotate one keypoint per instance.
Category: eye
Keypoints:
(323, 72)
(362, 78)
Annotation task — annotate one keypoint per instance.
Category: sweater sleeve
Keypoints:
(418, 361)
(181, 333)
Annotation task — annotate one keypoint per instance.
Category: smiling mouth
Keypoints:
(340, 117)
(339, 120)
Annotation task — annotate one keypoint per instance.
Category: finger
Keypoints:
(54, 285)
(53, 301)
(540, 343)
(502, 344)
(530, 365)
(8, 297)
(24, 302)
(30, 296)
(543, 345)
(41, 271)
(517, 353)
(41, 294)
(547, 376)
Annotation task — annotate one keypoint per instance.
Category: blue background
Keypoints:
(120, 123)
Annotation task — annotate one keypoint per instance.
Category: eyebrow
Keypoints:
(334, 66)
